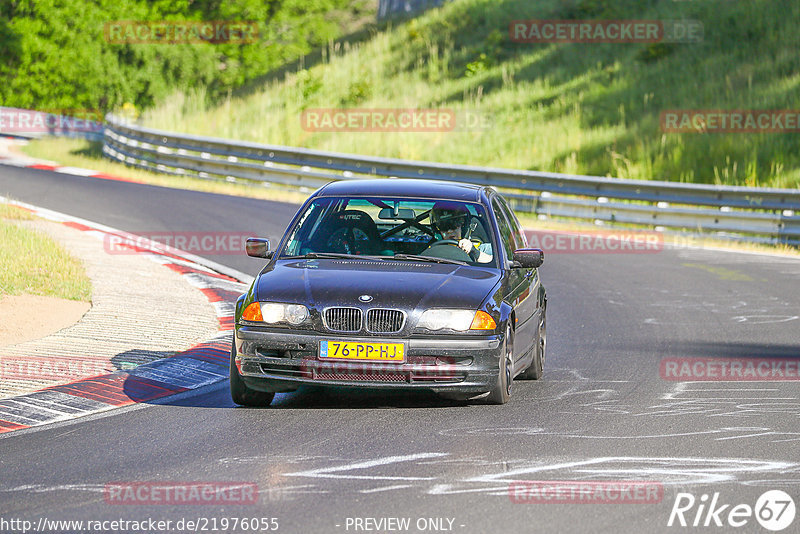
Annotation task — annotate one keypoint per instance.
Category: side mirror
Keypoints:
(258, 247)
(528, 258)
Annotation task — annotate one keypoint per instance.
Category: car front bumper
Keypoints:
(280, 361)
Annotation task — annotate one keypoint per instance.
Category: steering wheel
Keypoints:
(447, 252)
(343, 240)
(350, 240)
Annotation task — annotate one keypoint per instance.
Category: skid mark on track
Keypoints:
(670, 471)
(440, 473)
(386, 488)
(744, 305)
(728, 399)
(43, 488)
(494, 431)
(722, 273)
(764, 319)
(436, 473)
(284, 459)
(342, 470)
(746, 400)
(753, 412)
(719, 434)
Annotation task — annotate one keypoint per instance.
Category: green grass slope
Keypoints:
(575, 108)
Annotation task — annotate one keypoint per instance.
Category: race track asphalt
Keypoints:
(324, 458)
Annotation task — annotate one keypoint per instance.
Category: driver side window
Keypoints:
(516, 231)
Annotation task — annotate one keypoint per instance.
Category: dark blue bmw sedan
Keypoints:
(396, 284)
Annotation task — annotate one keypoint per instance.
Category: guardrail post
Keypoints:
(789, 228)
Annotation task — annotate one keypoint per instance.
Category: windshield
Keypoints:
(394, 229)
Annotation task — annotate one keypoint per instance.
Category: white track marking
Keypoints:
(387, 488)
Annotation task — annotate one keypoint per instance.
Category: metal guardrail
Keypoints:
(394, 8)
(761, 214)
(30, 124)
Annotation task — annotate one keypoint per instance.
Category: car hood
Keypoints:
(396, 284)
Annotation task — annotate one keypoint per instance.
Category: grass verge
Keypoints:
(32, 263)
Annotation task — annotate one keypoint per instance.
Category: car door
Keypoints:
(522, 282)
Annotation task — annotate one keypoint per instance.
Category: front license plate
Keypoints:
(351, 350)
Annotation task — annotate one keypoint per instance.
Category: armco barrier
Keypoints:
(756, 214)
(27, 123)
(399, 8)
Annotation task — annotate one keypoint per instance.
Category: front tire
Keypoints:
(240, 393)
(502, 391)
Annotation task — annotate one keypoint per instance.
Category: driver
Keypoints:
(450, 220)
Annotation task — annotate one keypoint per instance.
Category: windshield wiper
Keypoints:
(334, 255)
(338, 256)
(427, 258)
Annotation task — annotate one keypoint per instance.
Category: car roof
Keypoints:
(406, 187)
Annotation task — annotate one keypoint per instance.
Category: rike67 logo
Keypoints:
(774, 510)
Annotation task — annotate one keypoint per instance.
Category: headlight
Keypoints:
(460, 320)
(274, 312)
